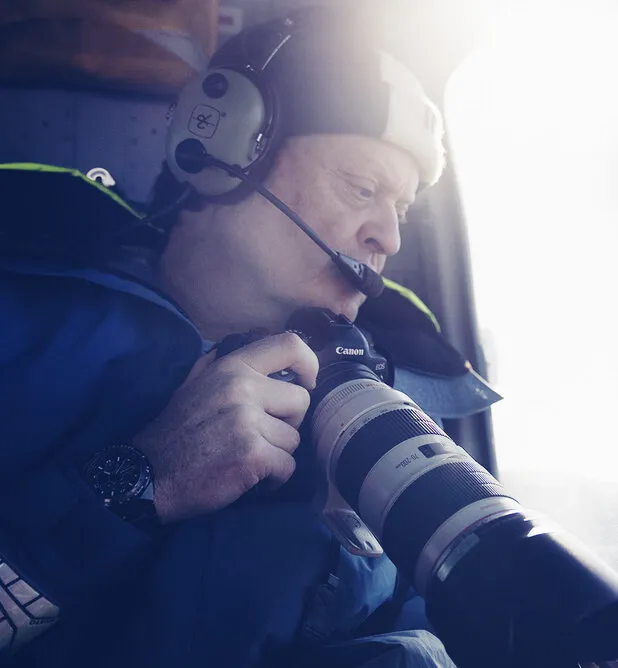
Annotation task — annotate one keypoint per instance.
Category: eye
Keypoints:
(364, 192)
(360, 188)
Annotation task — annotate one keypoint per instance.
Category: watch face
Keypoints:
(118, 474)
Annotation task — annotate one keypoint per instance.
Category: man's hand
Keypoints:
(229, 426)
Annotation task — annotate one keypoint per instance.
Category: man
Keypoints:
(354, 190)
(229, 578)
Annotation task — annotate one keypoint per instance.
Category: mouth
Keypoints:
(371, 263)
(374, 262)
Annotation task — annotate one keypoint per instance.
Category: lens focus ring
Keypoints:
(430, 501)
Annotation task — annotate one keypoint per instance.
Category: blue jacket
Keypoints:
(88, 356)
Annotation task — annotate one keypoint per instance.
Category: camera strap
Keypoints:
(318, 620)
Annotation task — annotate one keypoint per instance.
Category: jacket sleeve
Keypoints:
(81, 367)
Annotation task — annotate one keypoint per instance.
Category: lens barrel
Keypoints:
(503, 586)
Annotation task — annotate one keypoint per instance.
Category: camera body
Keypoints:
(335, 340)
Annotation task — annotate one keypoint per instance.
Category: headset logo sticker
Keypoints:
(204, 121)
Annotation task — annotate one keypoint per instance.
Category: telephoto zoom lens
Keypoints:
(504, 586)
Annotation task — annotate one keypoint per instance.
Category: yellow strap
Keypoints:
(36, 167)
(414, 298)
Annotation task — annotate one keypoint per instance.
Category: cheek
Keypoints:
(319, 207)
(314, 201)
(330, 219)
(283, 253)
(338, 231)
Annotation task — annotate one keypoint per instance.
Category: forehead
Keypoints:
(392, 167)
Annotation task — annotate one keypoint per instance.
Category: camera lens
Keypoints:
(502, 585)
(395, 467)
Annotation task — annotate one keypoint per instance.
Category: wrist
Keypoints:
(165, 509)
(122, 477)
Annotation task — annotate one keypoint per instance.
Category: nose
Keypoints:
(381, 232)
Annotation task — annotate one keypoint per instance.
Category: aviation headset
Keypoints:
(235, 113)
(231, 112)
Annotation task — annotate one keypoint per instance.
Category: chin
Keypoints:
(348, 305)
(337, 295)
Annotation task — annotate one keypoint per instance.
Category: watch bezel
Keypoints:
(136, 459)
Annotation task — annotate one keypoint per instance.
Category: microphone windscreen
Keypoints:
(372, 283)
(362, 277)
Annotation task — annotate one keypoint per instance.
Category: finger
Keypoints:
(281, 466)
(279, 434)
(282, 351)
(285, 401)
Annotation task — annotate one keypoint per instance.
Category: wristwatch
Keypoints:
(122, 476)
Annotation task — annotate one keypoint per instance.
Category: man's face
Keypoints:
(353, 191)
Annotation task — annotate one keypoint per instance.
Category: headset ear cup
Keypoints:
(226, 114)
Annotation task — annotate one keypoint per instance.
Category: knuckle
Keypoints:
(301, 350)
(249, 472)
(292, 340)
(314, 360)
(227, 365)
(243, 418)
(304, 399)
(290, 467)
(294, 439)
(255, 458)
(251, 479)
(235, 389)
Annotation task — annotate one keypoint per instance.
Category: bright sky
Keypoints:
(534, 123)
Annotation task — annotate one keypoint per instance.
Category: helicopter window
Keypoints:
(532, 121)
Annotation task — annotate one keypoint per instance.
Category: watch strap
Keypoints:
(140, 512)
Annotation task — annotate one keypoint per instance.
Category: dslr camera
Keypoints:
(504, 586)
